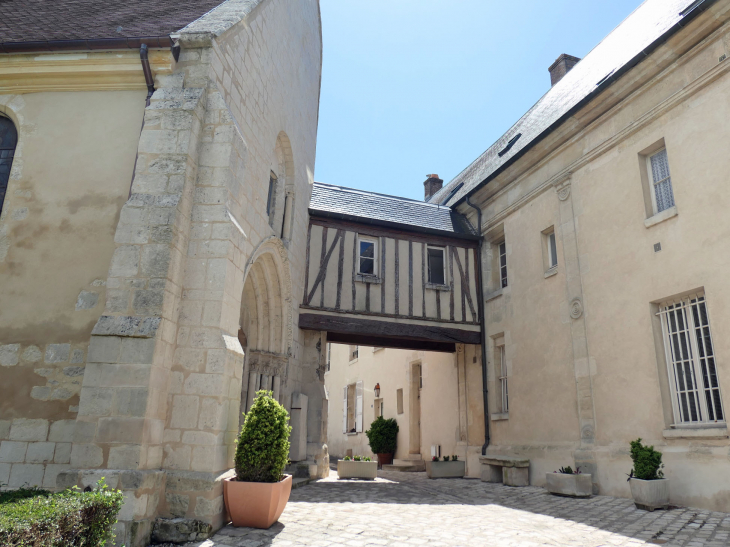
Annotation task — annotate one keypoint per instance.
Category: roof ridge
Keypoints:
(389, 196)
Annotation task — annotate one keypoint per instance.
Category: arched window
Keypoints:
(8, 140)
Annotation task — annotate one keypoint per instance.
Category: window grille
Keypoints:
(503, 264)
(8, 142)
(662, 192)
(691, 362)
(436, 271)
(503, 380)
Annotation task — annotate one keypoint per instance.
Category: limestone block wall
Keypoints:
(70, 177)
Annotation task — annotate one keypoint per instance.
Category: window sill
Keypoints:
(708, 432)
(551, 272)
(501, 416)
(438, 287)
(494, 294)
(352, 434)
(661, 217)
(366, 278)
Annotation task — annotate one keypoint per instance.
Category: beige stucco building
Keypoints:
(435, 397)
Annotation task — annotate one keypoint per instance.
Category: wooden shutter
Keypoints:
(358, 407)
(344, 412)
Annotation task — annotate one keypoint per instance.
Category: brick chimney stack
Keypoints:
(561, 67)
(432, 185)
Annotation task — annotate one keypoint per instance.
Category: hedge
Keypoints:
(30, 517)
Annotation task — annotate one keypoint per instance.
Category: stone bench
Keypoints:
(505, 469)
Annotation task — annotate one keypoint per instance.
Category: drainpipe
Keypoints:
(485, 390)
(150, 81)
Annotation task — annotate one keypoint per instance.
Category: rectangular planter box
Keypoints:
(574, 486)
(650, 495)
(446, 470)
(350, 469)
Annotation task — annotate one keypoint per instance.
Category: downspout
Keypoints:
(150, 81)
(485, 390)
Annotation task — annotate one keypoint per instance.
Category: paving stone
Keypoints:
(408, 509)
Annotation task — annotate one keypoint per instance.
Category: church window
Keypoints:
(8, 141)
(367, 255)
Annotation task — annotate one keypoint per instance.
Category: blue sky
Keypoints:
(411, 87)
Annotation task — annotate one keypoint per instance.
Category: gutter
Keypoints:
(80, 45)
(485, 389)
(149, 79)
(692, 11)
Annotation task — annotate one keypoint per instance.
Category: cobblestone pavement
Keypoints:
(409, 509)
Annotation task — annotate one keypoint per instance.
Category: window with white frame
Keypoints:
(691, 362)
(551, 249)
(436, 265)
(354, 353)
(662, 195)
(367, 255)
(500, 362)
(352, 408)
(502, 247)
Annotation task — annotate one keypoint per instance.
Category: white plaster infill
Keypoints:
(661, 217)
(719, 432)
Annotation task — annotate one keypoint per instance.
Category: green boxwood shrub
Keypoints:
(647, 462)
(263, 444)
(383, 435)
(30, 517)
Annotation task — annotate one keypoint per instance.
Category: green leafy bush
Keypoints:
(357, 458)
(367, 459)
(37, 518)
(347, 458)
(446, 458)
(263, 444)
(454, 458)
(647, 462)
(383, 435)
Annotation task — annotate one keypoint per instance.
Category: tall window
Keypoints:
(550, 249)
(503, 264)
(691, 360)
(661, 187)
(8, 141)
(271, 200)
(354, 353)
(436, 262)
(502, 363)
(367, 255)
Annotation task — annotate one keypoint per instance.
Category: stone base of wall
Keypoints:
(141, 490)
(195, 495)
(319, 454)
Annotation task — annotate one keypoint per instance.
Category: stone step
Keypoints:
(406, 466)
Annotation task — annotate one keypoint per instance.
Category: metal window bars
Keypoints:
(690, 354)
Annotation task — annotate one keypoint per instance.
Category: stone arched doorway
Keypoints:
(265, 322)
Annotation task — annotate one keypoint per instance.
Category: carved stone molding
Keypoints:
(562, 187)
(576, 308)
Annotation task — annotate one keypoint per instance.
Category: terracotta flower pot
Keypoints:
(385, 459)
(256, 504)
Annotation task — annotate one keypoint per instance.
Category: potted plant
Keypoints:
(566, 482)
(649, 488)
(357, 468)
(446, 469)
(258, 493)
(383, 438)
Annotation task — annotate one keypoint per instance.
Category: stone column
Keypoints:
(313, 366)
(584, 456)
(122, 404)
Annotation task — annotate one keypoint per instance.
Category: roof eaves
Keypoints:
(91, 44)
(694, 10)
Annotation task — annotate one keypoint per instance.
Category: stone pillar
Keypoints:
(584, 456)
(313, 366)
(298, 422)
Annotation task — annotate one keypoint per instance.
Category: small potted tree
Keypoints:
(358, 467)
(649, 488)
(567, 482)
(383, 438)
(258, 493)
(454, 469)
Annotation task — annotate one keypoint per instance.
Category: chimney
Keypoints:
(561, 67)
(432, 185)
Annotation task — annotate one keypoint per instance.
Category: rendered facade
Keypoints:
(161, 259)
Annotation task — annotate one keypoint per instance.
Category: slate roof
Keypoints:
(646, 28)
(369, 207)
(44, 20)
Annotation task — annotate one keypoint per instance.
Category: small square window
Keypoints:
(436, 265)
(367, 255)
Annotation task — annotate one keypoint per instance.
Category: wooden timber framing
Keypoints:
(345, 325)
(383, 342)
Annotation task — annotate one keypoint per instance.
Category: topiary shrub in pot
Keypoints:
(383, 438)
(649, 488)
(258, 493)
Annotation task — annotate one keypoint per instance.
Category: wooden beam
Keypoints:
(396, 343)
(387, 329)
